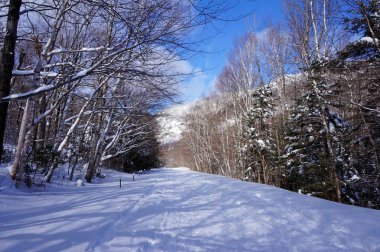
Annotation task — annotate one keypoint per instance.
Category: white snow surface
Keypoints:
(370, 40)
(179, 210)
(172, 123)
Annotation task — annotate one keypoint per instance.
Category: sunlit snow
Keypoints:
(179, 210)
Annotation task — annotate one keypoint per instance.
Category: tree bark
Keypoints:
(99, 146)
(41, 130)
(60, 124)
(7, 63)
(21, 141)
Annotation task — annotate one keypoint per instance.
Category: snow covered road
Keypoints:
(181, 210)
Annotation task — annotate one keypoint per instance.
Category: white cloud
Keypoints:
(197, 86)
(261, 34)
(182, 67)
(196, 83)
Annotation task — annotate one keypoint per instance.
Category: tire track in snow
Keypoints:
(161, 190)
(121, 216)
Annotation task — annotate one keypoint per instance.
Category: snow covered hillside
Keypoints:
(180, 210)
(171, 123)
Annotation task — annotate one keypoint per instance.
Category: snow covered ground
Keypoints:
(179, 210)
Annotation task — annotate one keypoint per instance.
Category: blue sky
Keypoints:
(219, 39)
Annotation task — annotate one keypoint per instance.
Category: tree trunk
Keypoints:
(71, 175)
(41, 131)
(20, 143)
(93, 153)
(94, 162)
(60, 124)
(7, 63)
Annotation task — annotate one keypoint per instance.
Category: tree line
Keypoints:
(81, 81)
(297, 106)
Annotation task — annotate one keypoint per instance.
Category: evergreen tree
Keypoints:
(258, 152)
(306, 157)
(315, 157)
(363, 19)
(362, 186)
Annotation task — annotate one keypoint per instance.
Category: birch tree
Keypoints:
(120, 43)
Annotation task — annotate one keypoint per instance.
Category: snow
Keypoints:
(45, 88)
(49, 74)
(261, 144)
(85, 91)
(172, 123)
(31, 72)
(81, 74)
(179, 210)
(79, 182)
(95, 49)
(369, 40)
(84, 49)
(41, 89)
(354, 177)
(56, 51)
(22, 72)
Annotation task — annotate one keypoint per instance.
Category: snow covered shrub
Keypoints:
(80, 183)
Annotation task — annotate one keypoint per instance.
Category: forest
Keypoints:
(296, 106)
(82, 81)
